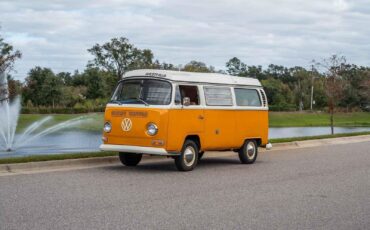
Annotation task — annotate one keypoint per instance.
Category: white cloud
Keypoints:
(341, 5)
(57, 33)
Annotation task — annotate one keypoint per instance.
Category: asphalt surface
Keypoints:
(312, 188)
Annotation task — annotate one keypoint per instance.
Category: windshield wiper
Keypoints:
(116, 102)
(141, 100)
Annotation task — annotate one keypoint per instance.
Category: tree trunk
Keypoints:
(331, 109)
(332, 123)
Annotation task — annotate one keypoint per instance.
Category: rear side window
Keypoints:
(247, 97)
(218, 96)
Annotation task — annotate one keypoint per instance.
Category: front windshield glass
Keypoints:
(142, 91)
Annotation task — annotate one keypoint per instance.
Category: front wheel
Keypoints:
(188, 158)
(248, 152)
(130, 159)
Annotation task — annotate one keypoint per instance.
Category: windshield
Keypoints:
(142, 91)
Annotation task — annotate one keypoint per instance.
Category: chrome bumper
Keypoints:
(136, 149)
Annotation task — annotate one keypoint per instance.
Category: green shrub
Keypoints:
(282, 107)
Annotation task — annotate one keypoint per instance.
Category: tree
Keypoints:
(78, 79)
(334, 67)
(119, 56)
(166, 66)
(355, 80)
(14, 86)
(7, 56)
(280, 72)
(319, 97)
(143, 60)
(256, 72)
(72, 95)
(236, 67)
(197, 66)
(66, 78)
(302, 87)
(95, 83)
(279, 95)
(42, 87)
(364, 88)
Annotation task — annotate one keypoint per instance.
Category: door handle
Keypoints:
(200, 117)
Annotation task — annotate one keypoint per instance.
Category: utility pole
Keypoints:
(312, 81)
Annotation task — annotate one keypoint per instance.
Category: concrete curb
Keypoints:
(70, 164)
(57, 164)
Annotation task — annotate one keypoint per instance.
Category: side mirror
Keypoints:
(186, 101)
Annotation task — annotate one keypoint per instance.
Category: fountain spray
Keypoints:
(4, 91)
(9, 113)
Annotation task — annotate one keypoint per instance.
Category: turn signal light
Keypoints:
(157, 142)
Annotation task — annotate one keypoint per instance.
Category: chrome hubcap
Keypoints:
(189, 156)
(251, 150)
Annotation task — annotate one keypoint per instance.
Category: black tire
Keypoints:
(130, 159)
(248, 152)
(200, 155)
(187, 161)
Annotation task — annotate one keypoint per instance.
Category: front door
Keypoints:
(185, 120)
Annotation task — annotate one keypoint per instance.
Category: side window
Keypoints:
(247, 97)
(218, 96)
(190, 92)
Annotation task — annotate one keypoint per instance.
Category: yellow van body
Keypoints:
(212, 127)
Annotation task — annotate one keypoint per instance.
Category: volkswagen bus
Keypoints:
(183, 114)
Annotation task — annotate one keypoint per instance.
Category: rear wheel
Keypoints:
(130, 159)
(248, 153)
(188, 158)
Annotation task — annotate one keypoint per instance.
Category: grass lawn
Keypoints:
(94, 121)
(296, 119)
(277, 119)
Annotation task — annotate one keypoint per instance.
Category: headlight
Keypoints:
(152, 129)
(107, 127)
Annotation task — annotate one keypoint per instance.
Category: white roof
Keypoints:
(215, 78)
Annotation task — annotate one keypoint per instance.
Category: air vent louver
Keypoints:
(264, 99)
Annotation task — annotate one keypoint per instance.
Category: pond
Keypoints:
(61, 142)
(78, 141)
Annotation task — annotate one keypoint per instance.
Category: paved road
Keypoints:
(312, 188)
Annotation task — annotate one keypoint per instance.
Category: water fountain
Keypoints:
(9, 114)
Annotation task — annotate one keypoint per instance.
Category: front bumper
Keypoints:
(136, 149)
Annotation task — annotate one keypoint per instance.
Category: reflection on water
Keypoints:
(78, 141)
(62, 142)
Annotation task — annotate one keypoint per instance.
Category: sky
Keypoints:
(56, 34)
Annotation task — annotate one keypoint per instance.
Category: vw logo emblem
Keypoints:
(126, 124)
